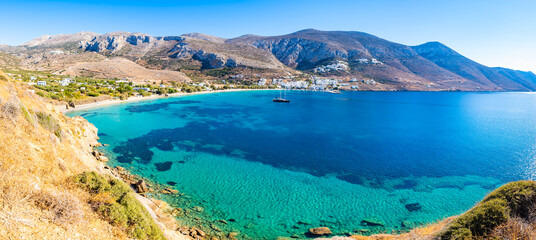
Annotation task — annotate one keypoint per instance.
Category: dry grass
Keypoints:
(14, 198)
(35, 201)
(10, 109)
(515, 229)
(64, 208)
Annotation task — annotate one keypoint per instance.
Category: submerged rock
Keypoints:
(176, 212)
(169, 191)
(215, 228)
(162, 167)
(412, 207)
(373, 222)
(232, 235)
(362, 231)
(196, 232)
(409, 224)
(320, 231)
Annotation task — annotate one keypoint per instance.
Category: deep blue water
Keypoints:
(278, 169)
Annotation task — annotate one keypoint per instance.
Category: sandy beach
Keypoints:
(96, 104)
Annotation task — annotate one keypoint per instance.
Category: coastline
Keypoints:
(96, 104)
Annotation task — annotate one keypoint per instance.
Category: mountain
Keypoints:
(341, 54)
(454, 62)
(61, 40)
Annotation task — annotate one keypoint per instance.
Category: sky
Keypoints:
(491, 32)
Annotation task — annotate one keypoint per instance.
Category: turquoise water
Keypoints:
(345, 161)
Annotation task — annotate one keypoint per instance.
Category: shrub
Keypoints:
(514, 229)
(49, 123)
(513, 200)
(116, 202)
(27, 114)
(93, 94)
(520, 197)
(10, 109)
(64, 207)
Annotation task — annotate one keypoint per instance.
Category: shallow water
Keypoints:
(398, 159)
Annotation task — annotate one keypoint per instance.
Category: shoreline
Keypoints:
(110, 102)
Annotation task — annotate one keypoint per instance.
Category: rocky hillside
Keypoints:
(341, 54)
(45, 157)
(211, 52)
(432, 64)
(454, 62)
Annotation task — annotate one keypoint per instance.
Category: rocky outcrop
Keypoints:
(213, 60)
(320, 231)
(127, 43)
(297, 51)
(141, 187)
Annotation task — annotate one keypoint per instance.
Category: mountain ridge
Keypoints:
(429, 66)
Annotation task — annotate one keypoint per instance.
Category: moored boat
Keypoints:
(281, 99)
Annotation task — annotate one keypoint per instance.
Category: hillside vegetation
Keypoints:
(42, 194)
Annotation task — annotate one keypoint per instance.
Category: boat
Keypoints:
(278, 99)
(333, 91)
(281, 99)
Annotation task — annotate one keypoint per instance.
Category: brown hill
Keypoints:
(431, 66)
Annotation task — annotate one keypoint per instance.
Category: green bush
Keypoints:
(519, 196)
(93, 94)
(120, 206)
(49, 123)
(511, 200)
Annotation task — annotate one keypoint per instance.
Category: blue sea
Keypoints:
(356, 162)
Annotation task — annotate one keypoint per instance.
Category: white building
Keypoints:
(337, 66)
(41, 83)
(295, 85)
(261, 82)
(277, 81)
(66, 82)
(375, 61)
